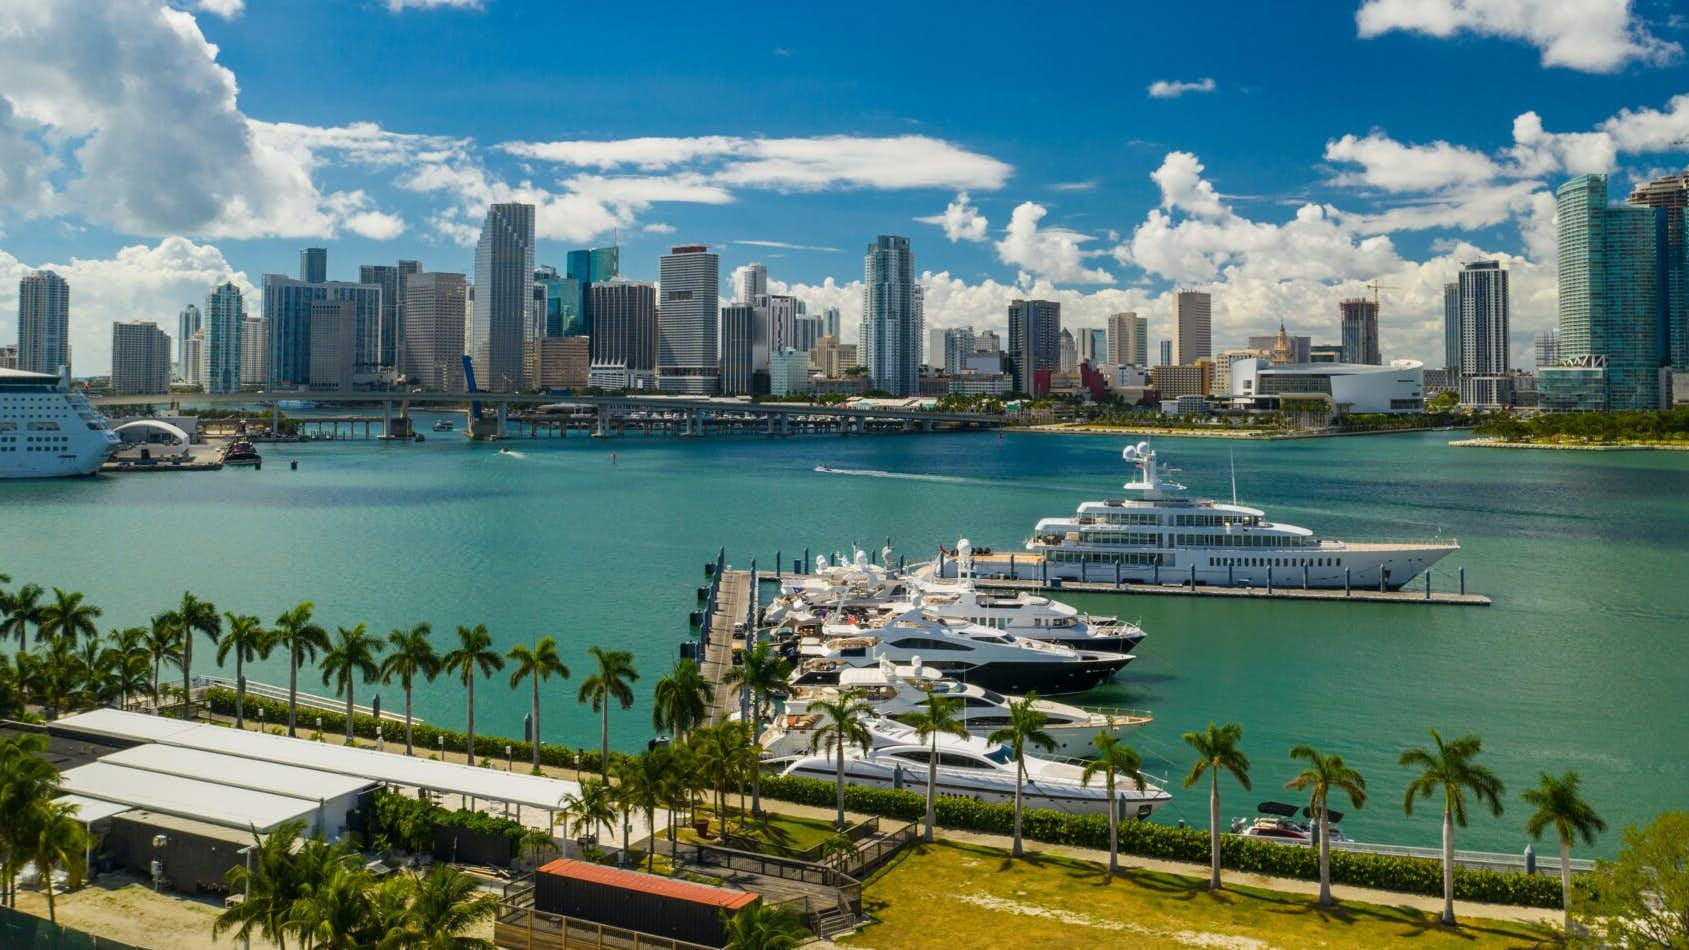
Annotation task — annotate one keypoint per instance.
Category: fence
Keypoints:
(1476, 860)
(524, 927)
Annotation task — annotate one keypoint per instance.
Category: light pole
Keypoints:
(508, 759)
(246, 939)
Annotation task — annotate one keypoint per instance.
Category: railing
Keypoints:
(1477, 860)
(527, 927)
(203, 681)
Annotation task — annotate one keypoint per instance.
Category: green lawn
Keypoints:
(977, 897)
(794, 833)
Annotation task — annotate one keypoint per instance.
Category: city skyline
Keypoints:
(1266, 191)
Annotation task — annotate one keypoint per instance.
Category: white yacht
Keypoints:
(48, 431)
(1158, 534)
(967, 768)
(967, 652)
(897, 690)
(861, 588)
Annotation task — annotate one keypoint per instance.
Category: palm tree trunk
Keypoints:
(293, 692)
(1113, 827)
(1325, 856)
(408, 720)
(1214, 829)
(1020, 770)
(240, 692)
(756, 769)
(1448, 868)
(604, 740)
(348, 707)
(157, 663)
(47, 882)
(1566, 884)
(932, 786)
(840, 821)
(534, 739)
(187, 664)
(469, 749)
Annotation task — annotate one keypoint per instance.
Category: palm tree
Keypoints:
(843, 722)
(611, 682)
(644, 781)
(722, 753)
(27, 778)
(1026, 725)
(1114, 758)
(764, 927)
(474, 653)
(333, 909)
(1449, 768)
(194, 616)
(412, 656)
(1324, 774)
(57, 675)
(23, 610)
(124, 665)
(446, 902)
(60, 840)
(589, 808)
(539, 662)
(67, 618)
(247, 640)
(351, 658)
(763, 673)
(302, 638)
(681, 700)
(163, 644)
(940, 718)
(269, 887)
(1216, 750)
(1559, 805)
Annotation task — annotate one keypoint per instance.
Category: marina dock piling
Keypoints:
(1463, 581)
(1346, 581)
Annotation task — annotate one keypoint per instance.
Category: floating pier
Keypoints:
(728, 615)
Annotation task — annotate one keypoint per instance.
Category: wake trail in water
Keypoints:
(513, 454)
(908, 476)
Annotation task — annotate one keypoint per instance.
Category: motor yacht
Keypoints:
(1159, 534)
(895, 691)
(1277, 822)
(242, 452)
(967, 768)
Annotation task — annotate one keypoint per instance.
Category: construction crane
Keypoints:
(1375, 286)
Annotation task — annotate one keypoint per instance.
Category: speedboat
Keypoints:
(1277, 822)
(968, 768)
(241, 452)
(822, 468)
(967, 652)
(1159, 534)
(895, 690)
(863, 588)
(444, 425)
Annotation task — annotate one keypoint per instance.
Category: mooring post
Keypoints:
(1193, 578)
(778, 560)
(1427, 583)
(1346, 581)
(1304, 576)
(1231, 573)
(1463, 582)
(1269, 580)
(1117, 574)
(1012, 575)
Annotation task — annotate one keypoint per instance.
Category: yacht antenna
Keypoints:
(1233, 454)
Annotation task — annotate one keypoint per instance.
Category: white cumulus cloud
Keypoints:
(1052, 253)
(1598, 36)
(961, 221)
(1172, 89)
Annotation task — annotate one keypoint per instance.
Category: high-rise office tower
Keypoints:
(830, 322)
(436, 311)
(1093, 345)
(1067, 352)
(987, 341)
(782, 321)
(958, 346)
(1166, 352)
(333, 344)
(1193, 326)
(890, 335)
(194, 356)
(624, 334)
(1451, 329)
(43, 322)
(1128, 339)
(287, 321)
(1547, 348)
(1034, 341)
(738, 349)
(254, 352)
(313, 265)
(1359, 319)
(583, 269)
(689, 320)
(1483, 335)
(1670, 194)
(391, 279)
(225, 316)
(753, 282)
(187, 323)
(809, 330)
(140, 358)
(504, 290)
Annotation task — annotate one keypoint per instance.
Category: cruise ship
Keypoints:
(47, 431)
(1159, 534)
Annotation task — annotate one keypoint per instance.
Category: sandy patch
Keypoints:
(1187, 937)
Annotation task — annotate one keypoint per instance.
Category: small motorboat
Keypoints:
(1278, 822)
(444, 425)
(241, 452)
(822, 468)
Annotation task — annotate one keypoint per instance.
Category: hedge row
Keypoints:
(424, 737)
(410, 822)
(1384, 872)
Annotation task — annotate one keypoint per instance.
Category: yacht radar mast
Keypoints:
(1142, 456)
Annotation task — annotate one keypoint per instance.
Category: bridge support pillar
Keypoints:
(503, 415)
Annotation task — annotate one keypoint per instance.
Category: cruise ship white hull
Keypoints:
(46, 431)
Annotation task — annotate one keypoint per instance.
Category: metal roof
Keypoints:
(648, 883)
(90, 810)
(238, 772)
(203, 800)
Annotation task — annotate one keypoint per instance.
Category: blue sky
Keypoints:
(1296, 151)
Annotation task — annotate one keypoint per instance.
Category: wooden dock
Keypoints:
(730, 607)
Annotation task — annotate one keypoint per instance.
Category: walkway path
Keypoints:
(733, 602)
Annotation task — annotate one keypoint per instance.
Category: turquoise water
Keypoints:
(1580, 664)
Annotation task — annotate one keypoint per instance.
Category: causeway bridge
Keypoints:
(601, 416)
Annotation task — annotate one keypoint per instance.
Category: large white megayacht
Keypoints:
(48, 431)
(1159, 534)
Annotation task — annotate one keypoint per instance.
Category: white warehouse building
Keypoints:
(1346, 387)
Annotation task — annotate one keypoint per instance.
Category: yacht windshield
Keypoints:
(1002, 755)
(993, 697)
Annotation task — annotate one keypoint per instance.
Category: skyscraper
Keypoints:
(287, 320)
(1547, 348)
(254, 352)
(753, 282)
(1166, 352)
(1193, 326)
(830, 322)
(43, 322)
(689, 320)
(1451, 329)
(1093, 345)
(187, 322)
(333, 344)
(1616, 314)
(313, 265)
(1067, 352)
(958, 346)
(504, 290)
(225, 315)
(1034, 341)
(890, 335)
(738, 346)
(1128, 339)
(624, 334)
(1671, 194)
(1483, 335)
(1359, 319)
(436, 306)
(583, 269)
(1298, 346)
(140, 358)
(391, 279)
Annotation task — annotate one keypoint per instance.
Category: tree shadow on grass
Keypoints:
(1413, 921)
